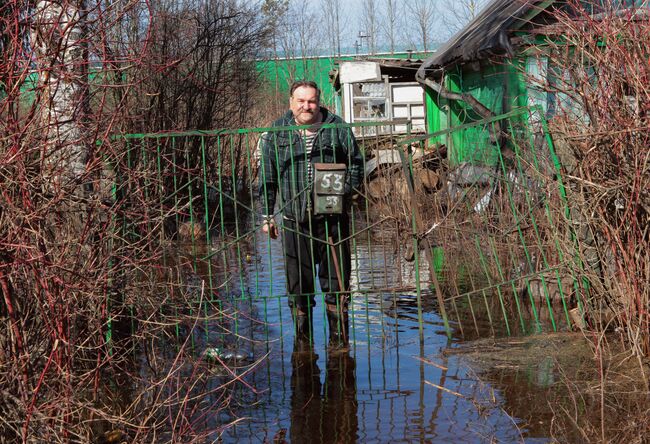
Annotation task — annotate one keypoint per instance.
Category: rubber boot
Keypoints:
(302, 321)
(337, 319)
(302, 346)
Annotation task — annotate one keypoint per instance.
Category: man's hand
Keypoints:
(270, 228)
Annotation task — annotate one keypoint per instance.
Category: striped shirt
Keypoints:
(308, 139)
(309, 147)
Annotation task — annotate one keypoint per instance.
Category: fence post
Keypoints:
(417, 224)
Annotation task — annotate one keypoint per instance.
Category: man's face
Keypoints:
(304, 105)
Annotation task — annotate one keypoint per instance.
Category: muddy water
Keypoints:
(395, 384)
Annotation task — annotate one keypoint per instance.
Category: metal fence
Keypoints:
(488, 247)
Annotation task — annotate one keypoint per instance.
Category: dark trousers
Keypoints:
(308, 253)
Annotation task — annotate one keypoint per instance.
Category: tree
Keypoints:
(57, 41)
(306, 26)
(200, 56)
(390, 23)
(421, 13)
(74, 76)
(293, 27)
(370, 23)
(458, 13)
(334, 24)
(274, 13)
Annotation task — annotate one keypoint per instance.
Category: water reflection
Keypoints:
(376, 392)
(393, 385)
(325, 413)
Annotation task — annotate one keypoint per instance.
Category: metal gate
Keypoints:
(487, 244)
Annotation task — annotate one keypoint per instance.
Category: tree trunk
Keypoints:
(61, 61)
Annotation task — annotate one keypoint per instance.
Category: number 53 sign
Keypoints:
(329, 187)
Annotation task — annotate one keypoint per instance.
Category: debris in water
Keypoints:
(215, 354)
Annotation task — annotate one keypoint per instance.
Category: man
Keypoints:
(290, 160)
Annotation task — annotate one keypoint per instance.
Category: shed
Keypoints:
(381, 90)
(480, 72)
(490, 68)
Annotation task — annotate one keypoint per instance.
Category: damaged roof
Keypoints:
(486, 34)
(397, 70)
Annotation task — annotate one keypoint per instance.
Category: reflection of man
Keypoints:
(330, 410)
(289, 163)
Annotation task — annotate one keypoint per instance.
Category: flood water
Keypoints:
(393, 385)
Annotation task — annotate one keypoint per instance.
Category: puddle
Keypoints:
(404, 378)
(394, 385)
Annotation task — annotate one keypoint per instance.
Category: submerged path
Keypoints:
(392, 386)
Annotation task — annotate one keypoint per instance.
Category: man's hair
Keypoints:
(308, 83)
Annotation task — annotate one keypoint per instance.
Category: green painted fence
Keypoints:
(499, 235)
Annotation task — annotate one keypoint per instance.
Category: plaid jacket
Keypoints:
(283, 167)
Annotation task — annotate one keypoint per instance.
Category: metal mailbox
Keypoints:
(329, 187)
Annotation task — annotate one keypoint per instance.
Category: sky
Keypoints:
(445, 19)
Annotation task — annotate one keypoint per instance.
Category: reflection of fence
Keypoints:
(497, 234)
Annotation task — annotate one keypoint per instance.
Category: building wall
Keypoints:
(278, 74)
(498, 86)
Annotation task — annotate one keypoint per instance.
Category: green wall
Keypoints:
(500, 87)
(278, 74)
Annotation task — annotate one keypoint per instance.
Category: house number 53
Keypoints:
(333, 180)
